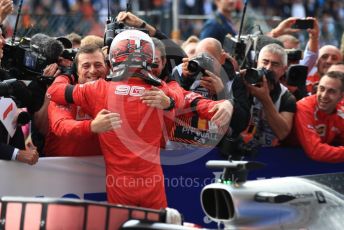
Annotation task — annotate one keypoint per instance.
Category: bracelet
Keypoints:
(143, 25)
(172, 104)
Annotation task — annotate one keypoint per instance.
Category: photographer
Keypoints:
(56, 61)
(12, 147)
(188, 103)
(213, 76)
(273, 105)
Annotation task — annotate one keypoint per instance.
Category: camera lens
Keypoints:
(193, 67)
(252, 76)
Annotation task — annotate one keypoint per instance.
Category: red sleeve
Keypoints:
(56, 92)
(311, 142)
(203, 107)
(62, 122)
(176, 92)
(86, 95)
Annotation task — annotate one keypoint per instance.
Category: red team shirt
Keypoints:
(70, 132)
(317, 131)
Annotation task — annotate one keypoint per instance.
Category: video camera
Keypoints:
(112, 28)
(246, 48)
(29, 61)
(30, 56)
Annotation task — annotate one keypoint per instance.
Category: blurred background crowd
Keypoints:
(60, 17)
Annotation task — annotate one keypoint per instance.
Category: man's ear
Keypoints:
(223, 57)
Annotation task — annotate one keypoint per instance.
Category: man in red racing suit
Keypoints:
(131, 152)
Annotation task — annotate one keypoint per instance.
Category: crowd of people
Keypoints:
(134, 92)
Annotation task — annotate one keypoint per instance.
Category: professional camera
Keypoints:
(294, 55)
(113, 27)
(246, 48)
(69, 54)
(25, 62)
(201, 63)
(29, 61)
(30, 56)
(254, 76)
(296, 76)
(18, 91)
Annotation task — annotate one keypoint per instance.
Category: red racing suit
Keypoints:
(69, 126)
(316, 131)
(193, 106)
(69, 132)
(132, 152)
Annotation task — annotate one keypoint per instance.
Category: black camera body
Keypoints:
(28, 61)
(69, 54)
(200, 63)
(246, 49)
(255, 76)
(18, 91)
(112, 28)
(294, 55)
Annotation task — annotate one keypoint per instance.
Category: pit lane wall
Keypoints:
(84, 177)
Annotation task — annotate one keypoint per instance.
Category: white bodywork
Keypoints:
(311, 205)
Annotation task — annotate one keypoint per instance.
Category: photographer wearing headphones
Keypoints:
(273, 105)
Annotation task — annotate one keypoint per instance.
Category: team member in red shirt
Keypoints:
(319, 120)
(72, 132)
